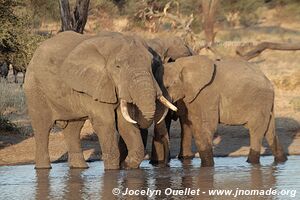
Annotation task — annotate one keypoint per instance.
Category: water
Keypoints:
(23, 182)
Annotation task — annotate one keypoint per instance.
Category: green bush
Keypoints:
(17, 41)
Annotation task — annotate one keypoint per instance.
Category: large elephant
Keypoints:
(231, 92)
(169, 49)
(164, 50)
(74, 77)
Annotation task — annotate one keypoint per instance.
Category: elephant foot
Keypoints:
(109, 166)
(253, 157)
(43, 163)
(76, 160)
(126, 165)
(42, 166)
(187, 156)
(280, 158)
(207, 158)
(159, 163)
(131, 163)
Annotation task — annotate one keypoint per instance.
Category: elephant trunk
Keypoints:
(143, 93)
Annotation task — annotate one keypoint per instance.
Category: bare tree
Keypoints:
(258, 49)
(74, 21)
(209, 8)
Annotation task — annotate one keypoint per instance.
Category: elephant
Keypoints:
(229, 91)
(74, 77)
(163, 49)
(17, 70)
(4, 69)
(169, 49)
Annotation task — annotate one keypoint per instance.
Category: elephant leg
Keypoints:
(132, 137)
(274, 143)
(42, 122)
(257, 130)
(168, 121)
(122, 149)
(203, 132)
(106, 132)
(186, 139)
(144, 135)
(160, 145)
(72, 139)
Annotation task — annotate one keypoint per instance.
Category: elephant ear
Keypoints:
(197, 72)
(84, 70)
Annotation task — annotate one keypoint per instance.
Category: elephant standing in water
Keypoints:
(74, 77)
(231, 92)
(169, 49)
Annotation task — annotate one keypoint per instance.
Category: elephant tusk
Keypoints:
(164, 116)
(168, 104)
(125, 113)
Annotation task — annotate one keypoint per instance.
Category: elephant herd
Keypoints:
(4, 70)
(123, 84)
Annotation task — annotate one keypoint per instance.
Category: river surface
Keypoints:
(179, 181)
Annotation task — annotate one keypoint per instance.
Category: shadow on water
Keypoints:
(19, 182)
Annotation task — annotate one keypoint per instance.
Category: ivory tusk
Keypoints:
(125, 113)
(168, 104)
(163, 117)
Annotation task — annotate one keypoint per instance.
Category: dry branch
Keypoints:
(258, 49)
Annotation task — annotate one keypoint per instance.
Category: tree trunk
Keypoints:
(80, 15)
(209, 8)
(65, 15)
(74, 21)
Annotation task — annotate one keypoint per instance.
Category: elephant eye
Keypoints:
(118, 66)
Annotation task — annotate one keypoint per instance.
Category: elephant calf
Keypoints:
(231, 92)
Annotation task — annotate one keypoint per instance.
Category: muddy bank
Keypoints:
(229, 141)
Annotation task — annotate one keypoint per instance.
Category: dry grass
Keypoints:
(12, 100)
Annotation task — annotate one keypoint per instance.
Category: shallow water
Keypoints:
(23, 182)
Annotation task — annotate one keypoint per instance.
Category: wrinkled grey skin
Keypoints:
(163, 49)
(169, 49)
(74, 77)
(231, 92)
(4, 68)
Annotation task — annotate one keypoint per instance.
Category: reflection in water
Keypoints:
(23, 182)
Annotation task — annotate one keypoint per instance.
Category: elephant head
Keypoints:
(114, 68)
(186, 77)
(170, 48)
